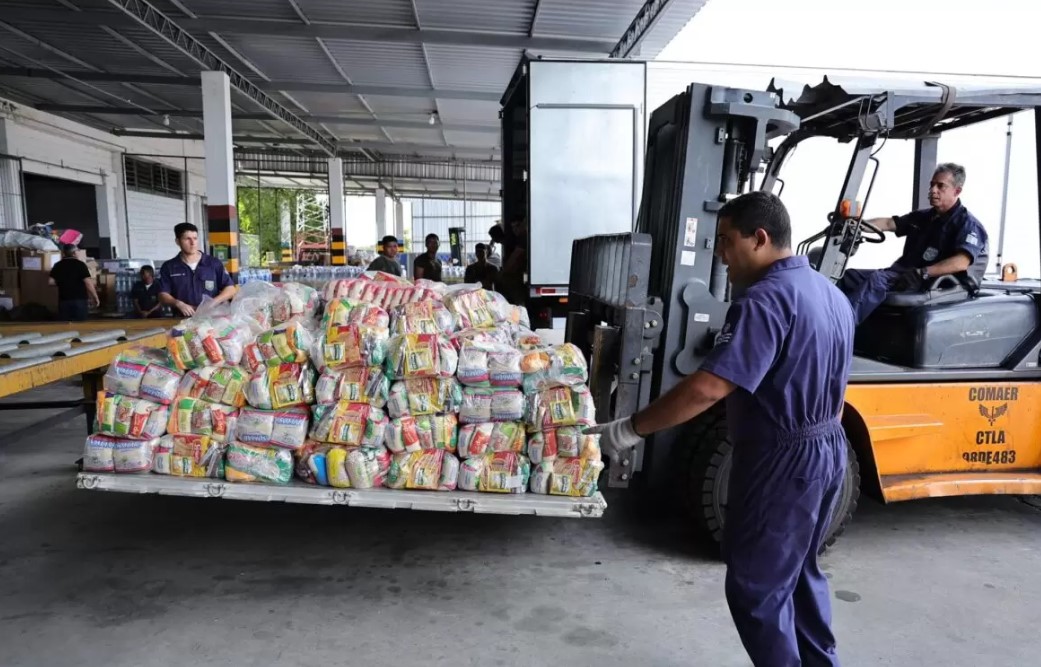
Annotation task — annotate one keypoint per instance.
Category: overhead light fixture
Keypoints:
(433, 117)
(166, 120)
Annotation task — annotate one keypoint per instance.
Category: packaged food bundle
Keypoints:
(309, 462)
(284, 429)
(423, 317)
(384, 293)
(143, 372)
(217, 384)
(256, 301)
(294, 300)
(189, 456)
(557, 366)
(357, 468)
(249, 463)
(567, 477)
(129, 417)
(350, 345)
(487, 336)
(563, 442)
(489, 365)
(202, 341)
(421, 355)
(560, 406)
(284, 344)
(351, 424)
(194, 416)
(424, 396)
(478, 439)
(477, 308)
(364, 384)
(491, 405)
(525, 341)
(277, 387)
(495, 472)
(341, 312)
(428, 469)
(411, 434)
(439, 289)
(105, 453)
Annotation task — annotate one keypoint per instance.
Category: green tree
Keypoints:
(259, 213)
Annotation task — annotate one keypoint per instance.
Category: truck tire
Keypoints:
(709, 473)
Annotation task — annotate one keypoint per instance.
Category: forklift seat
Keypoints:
(942, 289)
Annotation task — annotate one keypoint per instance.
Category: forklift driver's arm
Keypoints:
(887, 224)
(688, 399)
(960, 261)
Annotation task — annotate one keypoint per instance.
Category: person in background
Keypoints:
(428, 266)
(497, 235)
(145, 295)
(387, 261)
(481, 271)
(510, 282)
(76, 291)
(192, 274)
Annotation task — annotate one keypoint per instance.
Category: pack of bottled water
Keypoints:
(318, 276)
(252, 275)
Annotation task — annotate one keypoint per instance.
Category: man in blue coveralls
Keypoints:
(941, 240)
(781, 362)
(192, 274)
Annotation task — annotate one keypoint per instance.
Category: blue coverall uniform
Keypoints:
(931, 237)
(787, 345)
(179, 281)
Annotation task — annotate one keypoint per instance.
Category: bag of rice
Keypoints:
(558, 366)
(189, 456)
(486, 336)
(548, 445)
(132, 456)
(285, 429)
(287, 343)
(424, 396)
(194, 416)
(98, 453)
(364, 384)
(217, 384)
(200, 341)
(478, 439)
(143, 372)
(350, 345)
(277, 387)
(560, 406)
(127, 417)
(295, 300)
(247, 463)
(343, 312)
(423, 317)
(495, 472)
(357, 468)
(491, 405)
(350, 424)
(567, 477)
(489, 365)
(429, 470)
(477, 308)
(411, 434)
(421, 355)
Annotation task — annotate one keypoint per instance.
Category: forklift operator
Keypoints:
(781, 361)
(941, 240)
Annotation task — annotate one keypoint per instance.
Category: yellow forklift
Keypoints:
(944, 395)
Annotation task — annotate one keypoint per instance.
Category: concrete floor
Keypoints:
(91, 578)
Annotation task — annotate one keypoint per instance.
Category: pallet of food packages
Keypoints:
(375, 382)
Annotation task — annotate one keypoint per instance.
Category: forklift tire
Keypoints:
(709, 473)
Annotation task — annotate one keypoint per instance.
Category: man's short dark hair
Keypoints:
(389, 238)
(434, 236)
(68, 250)
(480, 246)
(497, 233)
(148, 269)
(183, 228)
(760, 210)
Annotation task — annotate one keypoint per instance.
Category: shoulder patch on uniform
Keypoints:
(972, 239)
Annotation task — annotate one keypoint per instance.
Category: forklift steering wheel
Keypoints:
(864, 224)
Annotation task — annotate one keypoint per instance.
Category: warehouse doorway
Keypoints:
(68, 204)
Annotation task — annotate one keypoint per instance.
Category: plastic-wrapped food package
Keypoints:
(284, 429)
(495, 472)
(128, 417)
(98, 453)
(277, 387)
(131, 456)
(350, 424)
(349, 346)
(194, 416)
(567, 477)
(411, 434)
(357, 468)
(428, 470)
(424, 396)
(294, 300)
(518, 316)
(365, 384)
(548, 445)
(478, 439)
(202, 341)
(438, 289)
(485, 336)
(489, 365)
(423, 317)
(557, 366)
(491, 405)
(560, 406)
(217, 384)
(287, 343)
(189, 456)
(309, 462)
(143, 372)
(342, 312)
(477, 308)
(421, 355)
(526, 341)
(248, 463)
(256, 300)
(384, 293)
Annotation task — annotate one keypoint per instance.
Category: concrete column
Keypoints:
(110, 227)
(12, 205)
(285, 230)
(399, 220)
(221, 210)
(337, 213)
(381, 213)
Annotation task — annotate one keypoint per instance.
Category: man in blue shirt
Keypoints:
(145, 294)
(941, 240)
(782, 362)
(192, 274)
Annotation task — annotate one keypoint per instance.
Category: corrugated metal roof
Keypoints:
(362, 132)
(675, 17)
(586, 18)
(379, 63)
(468, 111)
(366, 12)
(505, 16)
(471, 139)
(284, 58)
(472, 67)
(327, 103)
(254, 9)
(396, 106)
(415, 136)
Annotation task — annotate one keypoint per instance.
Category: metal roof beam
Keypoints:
(248, 25)
(267, 86)
(148, 16)
(638, 29)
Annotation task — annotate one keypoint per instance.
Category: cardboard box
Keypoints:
(35, 288)
(8, 279)
(9, 258)
(39, 261)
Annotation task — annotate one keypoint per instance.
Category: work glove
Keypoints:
(616, 438)
(910, 280)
